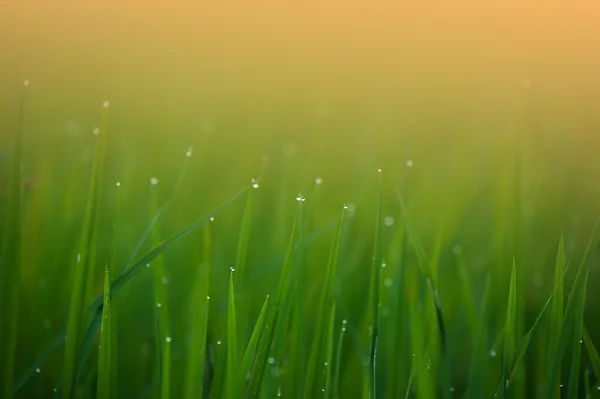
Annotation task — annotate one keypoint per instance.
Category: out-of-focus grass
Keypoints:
(411, 294)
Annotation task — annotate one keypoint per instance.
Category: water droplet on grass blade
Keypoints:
(218, 342)
(118, 184)
(388, 282)
(38, 370)
(154, 181)
(26, 82)
(389, 221)
(189, 152)
(409, 163)
(318, 180)
(271, 360)
(168, 339)
(96, 131)
(106, 104)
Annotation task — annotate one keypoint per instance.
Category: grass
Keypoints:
(425, 285)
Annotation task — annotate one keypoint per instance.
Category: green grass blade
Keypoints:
(556, 317)
(338, 362)
(250, 351)
(411, 378)
(271, 322)
(83, 268)
(232, 344)
(592, 352)
(195, 365)
(161, 307)
(477, 370)
(104, 359)
(374, 294)
(510, 328)
(329, 353)
(323, 316)
(577, 341)
(10, 271)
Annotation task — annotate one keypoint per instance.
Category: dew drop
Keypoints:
(219, 342)
(254, 185)
(147, 264)
(168, 339)
(271, 360)
(38, 370)
(207, 297)
(78, 258)
(154, 181)
(26, 82)
(493, 353)
(388, 282)
(344, 321)
(189, 152)
(96, 131)
(118, 184)
(345, 206)
(158, 304)
(409, 163)
(326, 364)
(164, 280)
(451, 389)
(106, 104)
(383, 264)
(379, 170)
(318, 180)
(389, 221)
(232, 269)
(212, 218)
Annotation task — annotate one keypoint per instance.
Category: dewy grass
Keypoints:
(292, 320)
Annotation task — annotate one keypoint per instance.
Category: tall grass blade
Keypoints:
(577, 341)
(374, 293)
(556, 317)
(83, 267)
(104, 359)
(271, 321)
(477, 370)
(329, 353)
(338, 362)
(510, 328)
(195, 365)
(324, 311)
(250, 352)
(232, 344)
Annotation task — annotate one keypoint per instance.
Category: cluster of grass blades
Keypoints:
(296, 338)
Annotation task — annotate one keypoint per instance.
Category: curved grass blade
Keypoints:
(271, 322)
(121, 281)
(411, 377)
(104, 359)
(324, 311)
(10, 272)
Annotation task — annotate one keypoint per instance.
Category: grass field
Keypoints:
(313, 250)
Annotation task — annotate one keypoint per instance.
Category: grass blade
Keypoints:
(510, 328)
(250, 352)
(271, 322)
(84, 267)
(338, 362)
(232, 346)
(104, 360)
(556, 317)
(324, 311)
(592, 352)
(480, 352)
(329, 353)
(373, 305)
(195, 365)
(577, 341)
